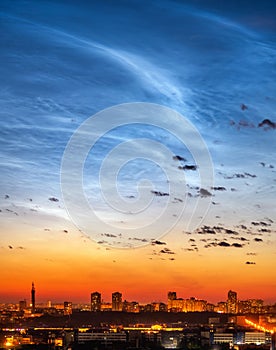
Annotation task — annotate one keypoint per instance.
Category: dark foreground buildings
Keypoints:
(188, 324)
(129, 331)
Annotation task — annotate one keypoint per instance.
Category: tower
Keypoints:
(117, 304)
(96, 301)
(33, 298)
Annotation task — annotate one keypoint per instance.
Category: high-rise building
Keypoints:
(171, 297)
(132, 306)
(232, 302)
(22, 305)
(33, 298)
(221, 307)
(96, 301)
(117, 304)
(68, 308)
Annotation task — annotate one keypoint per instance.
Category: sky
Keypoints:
(137, 149)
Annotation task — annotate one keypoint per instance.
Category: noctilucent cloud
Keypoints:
(214, 64)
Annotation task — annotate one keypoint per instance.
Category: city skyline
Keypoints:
(117, 298)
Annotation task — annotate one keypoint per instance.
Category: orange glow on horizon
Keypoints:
(69, 267)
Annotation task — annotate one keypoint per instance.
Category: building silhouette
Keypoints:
(232, 302)
(68, 308)
(96, 301)
(22, 305)
(33, 298)
(171, 297)
(117, 304)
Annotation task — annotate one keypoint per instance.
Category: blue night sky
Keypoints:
(212, 61)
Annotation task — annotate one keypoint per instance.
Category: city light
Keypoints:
(259, 327)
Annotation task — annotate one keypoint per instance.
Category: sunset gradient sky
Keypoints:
(211, 61)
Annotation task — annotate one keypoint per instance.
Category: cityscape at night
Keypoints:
(138, 174)
(172, 303)
(120, 324)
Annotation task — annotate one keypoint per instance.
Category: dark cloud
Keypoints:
(238, 176)
(242, 124)
(102, 242)
(156, 242)
(230, 232)
(12, 211)
(260, 223)
(237, 245)
(264, 230)
(250, 175)
(245, 124)
(264, 165)
(217, 230)
(160, 194)
(178, 199)
(255, 223)
(218, 188)
(179, 158)
(258, 240)
(140, 239)
(188, 167)
(207, 229)
(53, 199)
(267, 124)
(166, 251)
(144, 240)
(224, 244)
(204, 193)
(193, 187)
(110, 235)
(212, 244)
(243, 107)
